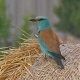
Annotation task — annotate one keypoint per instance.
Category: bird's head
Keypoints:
(43, 22)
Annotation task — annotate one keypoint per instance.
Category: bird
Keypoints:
(48, 40)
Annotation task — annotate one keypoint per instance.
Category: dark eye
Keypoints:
(41, 19)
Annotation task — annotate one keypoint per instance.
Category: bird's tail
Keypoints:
(62, 57)
(57, 59)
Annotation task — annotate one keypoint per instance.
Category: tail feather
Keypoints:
(58, 61)
(62, 57)
(57, 58)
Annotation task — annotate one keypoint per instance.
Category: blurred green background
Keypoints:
(64, 16)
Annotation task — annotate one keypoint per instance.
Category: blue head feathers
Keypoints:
(43, 22)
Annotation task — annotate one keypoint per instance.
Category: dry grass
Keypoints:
(16, 62)
(48, 70)
(26, 63)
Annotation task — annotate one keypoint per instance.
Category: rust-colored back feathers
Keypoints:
(51, 40)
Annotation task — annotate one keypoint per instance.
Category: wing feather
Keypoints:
(51, 39)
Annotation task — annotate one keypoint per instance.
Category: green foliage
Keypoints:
(25, 27)
(26, 22)
(68, 13)
(4, 24)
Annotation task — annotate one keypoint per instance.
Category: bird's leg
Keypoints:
(44, 58)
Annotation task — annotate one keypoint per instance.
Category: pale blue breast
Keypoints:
(43, 46)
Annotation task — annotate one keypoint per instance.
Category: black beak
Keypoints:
(33, 20)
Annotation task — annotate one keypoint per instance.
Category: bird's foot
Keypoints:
(44, 58)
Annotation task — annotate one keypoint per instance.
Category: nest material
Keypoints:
(26, 63)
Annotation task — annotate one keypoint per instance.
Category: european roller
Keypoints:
(48, 40)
